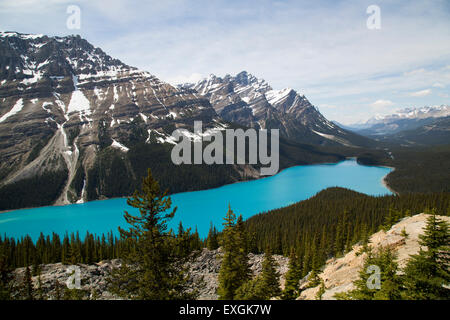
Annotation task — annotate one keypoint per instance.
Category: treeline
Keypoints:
(417, 169)
(115, 174)
(36, 191)
(72, 249)
(322, 226)
(329, 223)
(309, 232)
(426, 275)
(420, 170)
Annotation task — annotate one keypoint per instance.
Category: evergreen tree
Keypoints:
(250, 290)
(321, 290)
(212, 242)
(27, 285)
(151, 268)
(5, 279)
(292, 278)
(263, 287)
(195, 242)
(270, 278)
(241, 242)
(234, 270)
(427, 274)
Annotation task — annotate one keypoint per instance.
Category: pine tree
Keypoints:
(321, 290)
(5, 278)
(151, 268)
(27, 285)
(40, 291)
(242, 250)
(292, 278)
(212, 242)
(234, 270)
(195, 242)
(314, 279)
(263, 287)
(427, 273)
(270, 277)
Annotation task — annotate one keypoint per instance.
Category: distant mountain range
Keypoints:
(405, 119)
(427, 125)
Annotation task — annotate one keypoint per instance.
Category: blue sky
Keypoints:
(323, 49)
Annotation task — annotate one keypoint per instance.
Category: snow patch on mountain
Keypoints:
(15, 109)
(118, 145)
(78, 101)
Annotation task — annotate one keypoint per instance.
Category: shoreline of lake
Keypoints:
(202, 207)
(171, 194)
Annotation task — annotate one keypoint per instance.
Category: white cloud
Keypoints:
(421, 93)
(381, 104)
(415, 72)
(438, 85)
(321, 46)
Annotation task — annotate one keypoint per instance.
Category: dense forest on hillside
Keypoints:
(332, 220)
(36, 191)
(423, 169)
(117, 174)
(419, 170)
(329, 223)
(286, 227)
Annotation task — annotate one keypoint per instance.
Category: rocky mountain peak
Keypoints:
(64, 101)
(252, 102)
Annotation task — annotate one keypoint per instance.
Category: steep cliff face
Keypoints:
(62, 101)
(252, 102)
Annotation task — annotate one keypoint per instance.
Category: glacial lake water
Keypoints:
(200, 208)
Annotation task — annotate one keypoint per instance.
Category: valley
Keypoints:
(87, 154)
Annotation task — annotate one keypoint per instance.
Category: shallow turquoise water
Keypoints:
(200, 208)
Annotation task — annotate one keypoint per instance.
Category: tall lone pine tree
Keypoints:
(151, 268)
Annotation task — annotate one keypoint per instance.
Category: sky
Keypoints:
(324, 49)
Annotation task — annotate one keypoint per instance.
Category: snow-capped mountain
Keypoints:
(252, 102)
(414, 113)
(404, 119)
(78, 125)
(63, 101)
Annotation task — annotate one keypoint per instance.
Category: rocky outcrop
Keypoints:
(207, 265)
(203, 269)
(338, 274)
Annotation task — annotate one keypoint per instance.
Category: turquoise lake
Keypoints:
(200, 208)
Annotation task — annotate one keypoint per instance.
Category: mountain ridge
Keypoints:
(405, 119)
(78, 125)
(252, 102)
